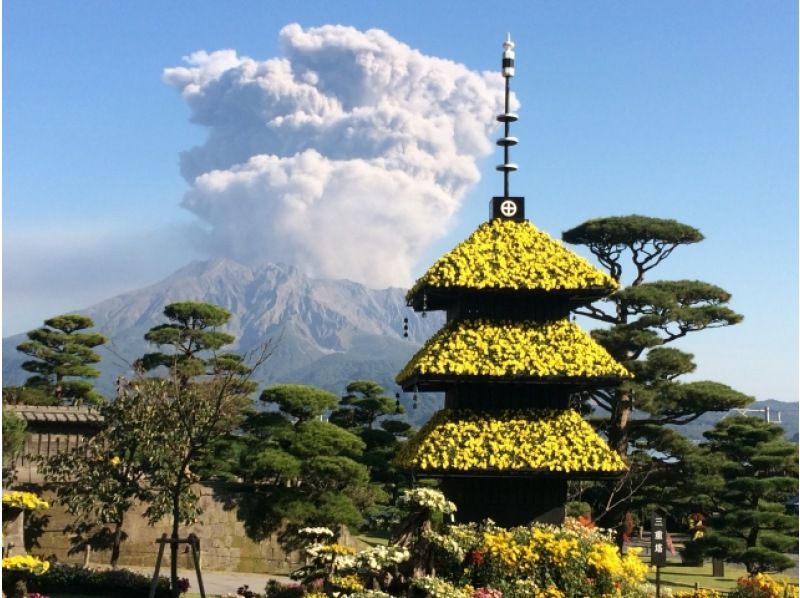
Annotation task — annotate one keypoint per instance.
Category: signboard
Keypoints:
(508, 208)
(658, 541)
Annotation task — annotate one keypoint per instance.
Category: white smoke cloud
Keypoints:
(346, 157)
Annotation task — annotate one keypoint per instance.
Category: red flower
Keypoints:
(476, 557)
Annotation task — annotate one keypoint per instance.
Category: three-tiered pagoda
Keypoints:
(508, 360)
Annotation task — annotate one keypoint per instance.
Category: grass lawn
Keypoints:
(373, 540)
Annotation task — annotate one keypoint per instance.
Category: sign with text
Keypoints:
(658, 541)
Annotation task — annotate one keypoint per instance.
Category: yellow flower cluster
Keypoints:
(605, 558)
(503, 348)
(540, 439)
(350, 583)
(523, 557)
(24, 500)
(26, 562)
(502, 254)
(335, 549)
(761, 585)
(522, 553)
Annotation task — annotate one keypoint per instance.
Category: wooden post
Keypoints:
(194, 543)
(658, 581)
(162, 542)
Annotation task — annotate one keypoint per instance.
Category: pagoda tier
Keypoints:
(508, 443)
(555, 352)
(509, 258)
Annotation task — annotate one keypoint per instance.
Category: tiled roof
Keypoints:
(49, 413)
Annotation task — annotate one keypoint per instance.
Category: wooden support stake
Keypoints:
(194, 543)
(162, 542)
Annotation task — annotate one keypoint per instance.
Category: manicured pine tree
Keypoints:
(306, 470)
(364, 405)
(62, 355)
(745, 473)
(640, 320)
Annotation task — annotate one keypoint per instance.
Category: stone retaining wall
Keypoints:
(224, 544)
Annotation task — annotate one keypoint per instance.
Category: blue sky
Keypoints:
(681, 109)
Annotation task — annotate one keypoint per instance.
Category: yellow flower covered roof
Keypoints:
(556, 349)
(544, 440)
(508, 255)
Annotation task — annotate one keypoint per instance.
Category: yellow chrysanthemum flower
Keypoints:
(24, 500)
(503, 348)
(540, 439)
(503, 254)
(26, 562)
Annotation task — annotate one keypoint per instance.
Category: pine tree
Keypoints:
(61, 353)
(363, 405)
(639, 321)
(747, 471)
(307, 471)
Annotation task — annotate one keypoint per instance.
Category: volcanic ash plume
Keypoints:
(345, 157)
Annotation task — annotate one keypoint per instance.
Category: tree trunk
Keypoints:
(173, 547)
(618, 424)
(116, 543)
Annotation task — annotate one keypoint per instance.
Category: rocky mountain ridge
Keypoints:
(321, 332)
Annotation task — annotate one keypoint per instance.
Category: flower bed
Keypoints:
(502, 254)
(481, 561)
(501, 348)
(761, 585)
(543, 439)
(27, 563)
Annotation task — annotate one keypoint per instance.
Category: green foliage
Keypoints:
(13, 435)
(190, 333)
(61, 353)
(298, 401)
(641, 319)
(28, 395)
(306, 470)
(99, 481)
(73, 579)
(650, 240)
(363, 404)
(747, 472)
(187, 412)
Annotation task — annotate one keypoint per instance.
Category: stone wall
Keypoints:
(224, 544)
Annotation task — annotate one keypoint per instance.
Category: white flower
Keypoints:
(429, 499)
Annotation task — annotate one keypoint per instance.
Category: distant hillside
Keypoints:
(779, 412)
(323, 332)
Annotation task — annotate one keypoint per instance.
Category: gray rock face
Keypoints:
(322, 332)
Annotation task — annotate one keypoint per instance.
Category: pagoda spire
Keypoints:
(507, 117)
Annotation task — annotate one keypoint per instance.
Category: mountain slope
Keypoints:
(322, 332)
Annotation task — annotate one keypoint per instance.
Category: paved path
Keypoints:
(219, 583)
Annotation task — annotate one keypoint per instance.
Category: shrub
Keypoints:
(75, 579)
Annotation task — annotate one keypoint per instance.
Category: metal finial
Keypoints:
(507, 117)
